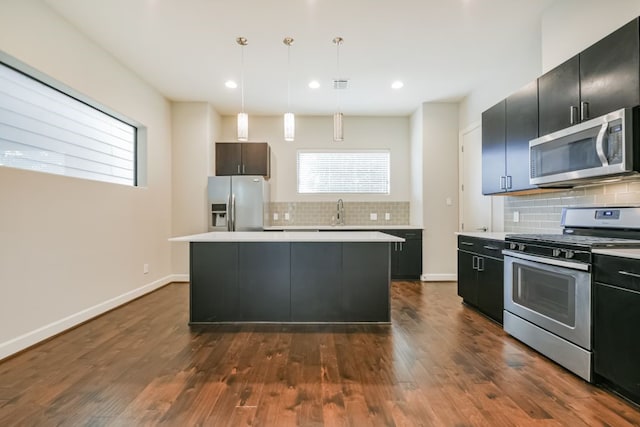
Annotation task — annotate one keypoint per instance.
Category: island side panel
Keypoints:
(316, 282)
(365, 282)
(264, 281)
(214, 282)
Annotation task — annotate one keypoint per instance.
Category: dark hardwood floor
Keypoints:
(439, 364)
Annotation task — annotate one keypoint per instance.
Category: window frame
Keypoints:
(139, 131)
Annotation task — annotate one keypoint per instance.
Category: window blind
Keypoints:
(46, 130)
(343, 172)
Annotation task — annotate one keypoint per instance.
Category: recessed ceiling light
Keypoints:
(231, 84)
(397, 84)
(314, 84)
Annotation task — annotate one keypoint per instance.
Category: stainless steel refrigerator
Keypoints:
(237, 203)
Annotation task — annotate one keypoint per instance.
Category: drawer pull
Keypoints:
(466, 243)
(626, 273)
(491, 248)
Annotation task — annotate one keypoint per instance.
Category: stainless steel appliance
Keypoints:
(237, 203)
(548, 282)
(593, 149)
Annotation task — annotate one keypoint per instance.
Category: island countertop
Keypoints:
(289, 236)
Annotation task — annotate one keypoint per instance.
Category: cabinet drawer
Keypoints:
(487, 247)
(405, 234)
(617, 271)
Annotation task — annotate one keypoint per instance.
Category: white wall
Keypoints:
(316, 132)
(440, 182)
(416, 151)
(195, 127)
(72, 248)
(570, 26)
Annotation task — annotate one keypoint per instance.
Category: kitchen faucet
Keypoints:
(340, 213)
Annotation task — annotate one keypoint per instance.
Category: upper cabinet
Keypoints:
(507, 128)
(603, 78)
(246, 158)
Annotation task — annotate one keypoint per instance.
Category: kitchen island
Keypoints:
(289, 276)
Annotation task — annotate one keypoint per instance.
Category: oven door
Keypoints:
(554, 295)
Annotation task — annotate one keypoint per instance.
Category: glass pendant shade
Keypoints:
(289, 126)
(243, 127)
(338, 131)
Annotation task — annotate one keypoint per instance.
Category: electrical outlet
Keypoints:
(275, 216)
(145, 269)
(387, 216)
(373, 216)
(287, 216)
(516, 216)
(448, 201)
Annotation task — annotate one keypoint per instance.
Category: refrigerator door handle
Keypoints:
(233, 212)
(229, 212)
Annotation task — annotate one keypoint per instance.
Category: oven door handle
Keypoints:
(550, 261)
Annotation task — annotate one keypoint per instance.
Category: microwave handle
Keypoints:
(600, 144)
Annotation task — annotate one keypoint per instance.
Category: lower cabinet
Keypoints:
(290, 282)
(406, 257)
(616, 315)
(480, 275)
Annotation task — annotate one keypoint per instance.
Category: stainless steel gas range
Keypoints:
(548, 282)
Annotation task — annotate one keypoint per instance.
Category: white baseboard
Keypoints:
(179, 277)
(21, 342)
(439, 277)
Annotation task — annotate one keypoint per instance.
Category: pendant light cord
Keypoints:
(242, 78)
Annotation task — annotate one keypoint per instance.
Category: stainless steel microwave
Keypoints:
(598, 148)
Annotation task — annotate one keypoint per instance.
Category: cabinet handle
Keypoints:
(395, 246)
(573, 113)
(509, 182)
(401, 246)
(584, 111)
(491, 248)
(503, 182)
(466, 243)
(475, 262)
(480, 264)
(626, 273)
(238, 169)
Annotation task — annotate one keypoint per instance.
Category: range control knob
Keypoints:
(521, 246)
(568, 254)
(513, 246)
(556, 252)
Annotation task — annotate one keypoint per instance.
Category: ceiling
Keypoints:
(186, 49)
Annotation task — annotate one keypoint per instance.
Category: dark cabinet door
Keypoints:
(365, 282)
(616, 344)
(214, 282)
(316, 282)
(408, 258)
(491, 288)
(228, 159)
(493, 149)
(558, 96)
(264, 281)
(467, 277)
(521, 127)
(609, 72)
(255, 159)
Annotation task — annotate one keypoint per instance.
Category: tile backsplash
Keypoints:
(324, 213)
(540, 213)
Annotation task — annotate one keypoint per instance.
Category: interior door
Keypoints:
(475, 208)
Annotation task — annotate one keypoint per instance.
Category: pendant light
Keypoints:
(338, 130)
(243, 118)
(289, 118)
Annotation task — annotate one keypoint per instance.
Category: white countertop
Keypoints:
(285, 236)
(623, 253)
(483, 235)
(342, 228)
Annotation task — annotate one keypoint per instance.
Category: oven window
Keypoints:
(545, 292)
